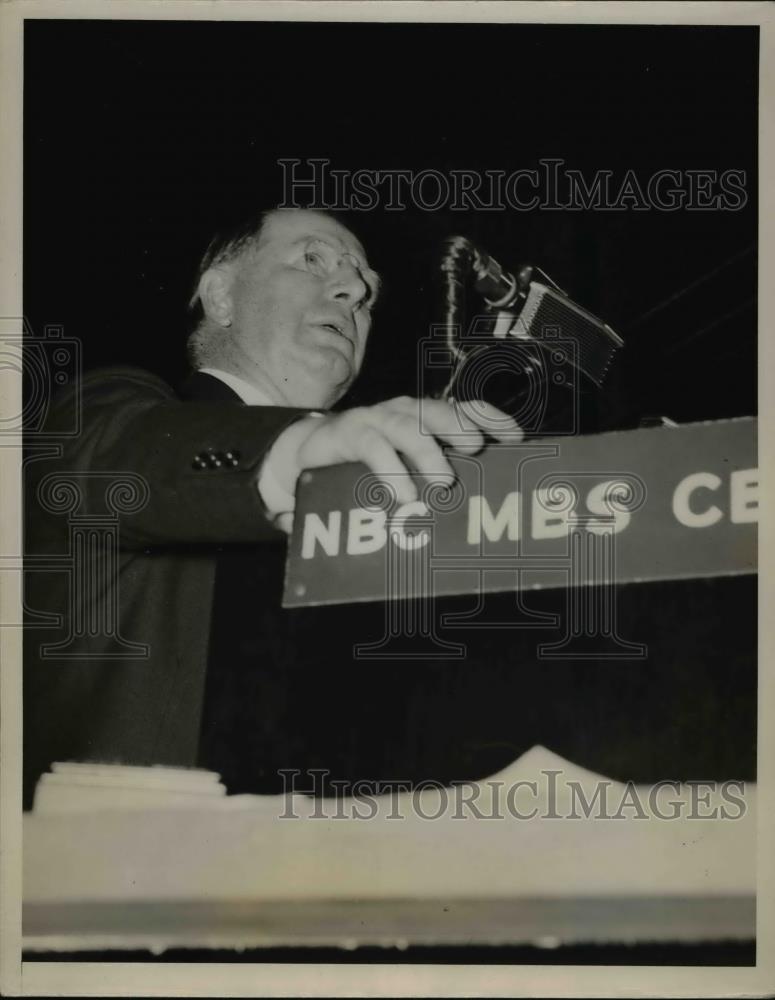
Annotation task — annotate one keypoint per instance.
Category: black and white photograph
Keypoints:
(383, 419)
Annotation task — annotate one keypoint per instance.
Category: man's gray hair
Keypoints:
(226, 245)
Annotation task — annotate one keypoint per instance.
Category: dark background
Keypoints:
(140, 137)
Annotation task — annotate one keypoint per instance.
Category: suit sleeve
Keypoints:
(197, 462)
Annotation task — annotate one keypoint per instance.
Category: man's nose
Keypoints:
(347, 284)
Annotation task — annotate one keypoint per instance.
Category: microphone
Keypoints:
(500, 289)
(561, 341)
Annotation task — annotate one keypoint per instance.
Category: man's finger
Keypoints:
(490, 419)
(379, 454)
(437, 418)
(455, 422)
(422, 450)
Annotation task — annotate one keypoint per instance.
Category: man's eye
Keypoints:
(313, 259)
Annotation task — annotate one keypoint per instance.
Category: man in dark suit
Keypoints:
(119, 648)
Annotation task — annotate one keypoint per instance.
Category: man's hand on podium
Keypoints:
(388, 437)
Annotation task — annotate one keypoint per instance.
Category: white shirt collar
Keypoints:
(248, 393)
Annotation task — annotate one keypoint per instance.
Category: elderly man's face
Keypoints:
(301, 301)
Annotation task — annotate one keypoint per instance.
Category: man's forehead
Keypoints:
(292, 225)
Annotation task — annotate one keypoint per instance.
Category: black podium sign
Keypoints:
(651, 504)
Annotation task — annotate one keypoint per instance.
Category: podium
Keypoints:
(620, 529)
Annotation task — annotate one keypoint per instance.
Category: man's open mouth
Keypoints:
(340, 328)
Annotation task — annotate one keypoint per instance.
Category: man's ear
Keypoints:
(215, 295)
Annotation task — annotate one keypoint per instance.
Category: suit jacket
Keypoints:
(117, 631)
